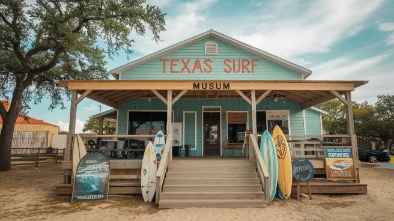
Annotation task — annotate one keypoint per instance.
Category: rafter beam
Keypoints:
(317, 101)
(80, 98)
(244, 96)
(265, 94)
(344, 101)
(178, 96)
(159, 96)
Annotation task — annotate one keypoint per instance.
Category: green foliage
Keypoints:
(376, 122)
(335, 121)
(92, 125)
(61, 40)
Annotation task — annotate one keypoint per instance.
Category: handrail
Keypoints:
(161, 171)
(255, 156)
(115, 136)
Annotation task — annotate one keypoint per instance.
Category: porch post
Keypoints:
(349, 113)
(101, 125)
(71, 127)
(169, 117)
(254, 118)
(351, 131)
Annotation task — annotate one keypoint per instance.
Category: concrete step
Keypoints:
(212, 203)
(212, 181)
(212, 188)
(212, 175)
(212, 169)
(212, 195)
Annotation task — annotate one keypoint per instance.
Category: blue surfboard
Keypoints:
(268, 153)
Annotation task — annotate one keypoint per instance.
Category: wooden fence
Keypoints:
(29, 141)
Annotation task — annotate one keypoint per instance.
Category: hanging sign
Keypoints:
(339, 163)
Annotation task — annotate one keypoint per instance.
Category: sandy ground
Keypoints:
(28, 193)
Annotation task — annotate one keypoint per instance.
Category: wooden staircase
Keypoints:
(211, 182)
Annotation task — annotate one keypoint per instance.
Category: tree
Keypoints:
(92, 125)
(376, 122)
(335, 121)
(60, 39)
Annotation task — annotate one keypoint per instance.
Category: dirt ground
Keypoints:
(28, 193)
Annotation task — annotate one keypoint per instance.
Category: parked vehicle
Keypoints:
(373, 156)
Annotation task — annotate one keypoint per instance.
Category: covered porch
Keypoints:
(304, 93)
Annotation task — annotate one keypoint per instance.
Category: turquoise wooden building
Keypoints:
(204, 93)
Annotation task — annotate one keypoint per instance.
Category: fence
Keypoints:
(28, 141)
(19, 156)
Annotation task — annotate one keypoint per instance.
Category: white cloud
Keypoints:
(65, 126)
(388, 27)
(91, 107)
(313, 28)
(345, 68)
(188, 21)
(376, 70)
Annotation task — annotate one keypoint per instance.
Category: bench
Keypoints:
(228, 145)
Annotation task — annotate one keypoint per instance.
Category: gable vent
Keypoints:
(211, 48)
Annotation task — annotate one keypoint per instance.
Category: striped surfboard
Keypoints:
(268, 153)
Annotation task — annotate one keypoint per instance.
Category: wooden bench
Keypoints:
(232, 146)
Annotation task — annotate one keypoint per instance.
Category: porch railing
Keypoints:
(255, 157)
(161, 171)
(312, 146)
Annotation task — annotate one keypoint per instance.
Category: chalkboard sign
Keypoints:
(303, 170)
(92, 178)
(339, 163)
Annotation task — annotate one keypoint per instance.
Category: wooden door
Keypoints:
(211, 133)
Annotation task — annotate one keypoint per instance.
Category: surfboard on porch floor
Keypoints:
(127, 171)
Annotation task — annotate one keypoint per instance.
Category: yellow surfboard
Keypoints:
(285, 178)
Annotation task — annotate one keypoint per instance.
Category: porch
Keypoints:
(239, 171)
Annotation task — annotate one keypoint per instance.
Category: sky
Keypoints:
(336, 40)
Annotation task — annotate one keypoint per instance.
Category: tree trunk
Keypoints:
(7, 131)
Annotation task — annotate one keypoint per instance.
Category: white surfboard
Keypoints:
(159, 144)
(148, 173)
(78, 152)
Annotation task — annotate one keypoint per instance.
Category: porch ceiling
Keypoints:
(307, 93)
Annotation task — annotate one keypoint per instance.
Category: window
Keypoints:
(211, 48)
(280, 118)
(236, 126)
(268, 120)
(147, 123)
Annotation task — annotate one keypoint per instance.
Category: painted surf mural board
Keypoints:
(285, 179)
(79, 151)
(159, 144)
(268, 153)
(92, 178)
(148, 173)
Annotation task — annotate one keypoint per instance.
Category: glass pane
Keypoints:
(211, 136)
(157, 126)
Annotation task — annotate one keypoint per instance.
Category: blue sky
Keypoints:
(337, 40)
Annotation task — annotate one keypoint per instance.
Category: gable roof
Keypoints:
(212, 33)
(21, 119)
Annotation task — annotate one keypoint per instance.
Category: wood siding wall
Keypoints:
(265, 69)
(296, 115)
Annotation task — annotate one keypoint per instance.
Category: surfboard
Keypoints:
(148, 173)
(285, 179)
(78, 152)
(92, 178)
(159, 143)
(268, 153)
